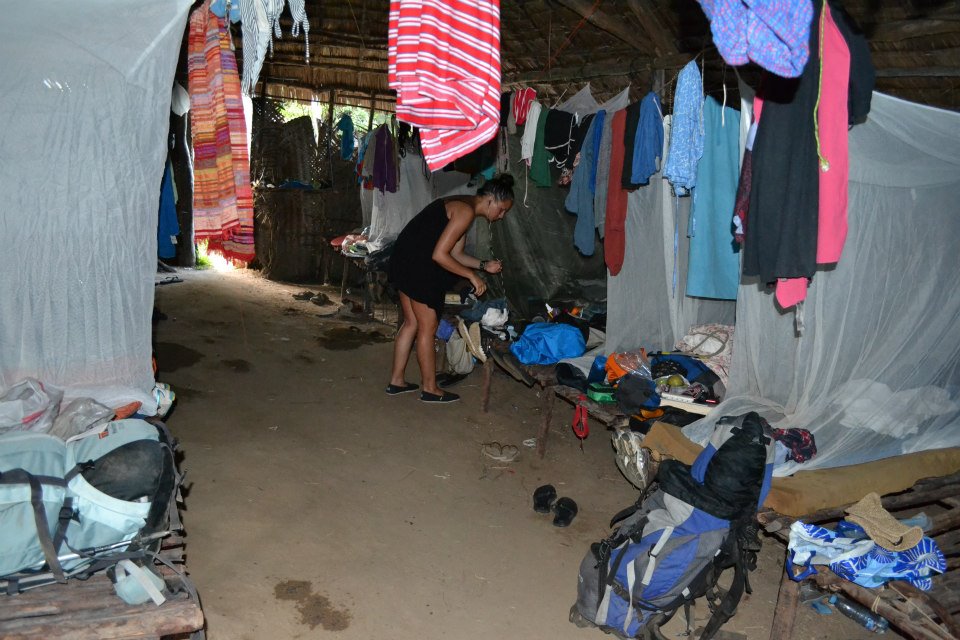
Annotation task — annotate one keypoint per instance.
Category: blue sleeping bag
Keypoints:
(548, 343)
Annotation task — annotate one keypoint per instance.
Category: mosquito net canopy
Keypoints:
(873, 369)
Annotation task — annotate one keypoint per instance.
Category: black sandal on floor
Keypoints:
(566, 510)
(543, 498)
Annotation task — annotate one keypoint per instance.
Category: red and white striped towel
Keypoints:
(444, 62)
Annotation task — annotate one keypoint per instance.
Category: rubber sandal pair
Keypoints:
(500, 452)
(564, 509)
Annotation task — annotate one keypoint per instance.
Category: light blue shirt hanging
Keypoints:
(713, 269)
(686, 135)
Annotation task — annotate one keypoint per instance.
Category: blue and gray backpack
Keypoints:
(670, 547)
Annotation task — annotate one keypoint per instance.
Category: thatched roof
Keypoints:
(558, 45)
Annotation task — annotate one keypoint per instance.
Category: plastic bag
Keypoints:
(29, 406)
(79, 416)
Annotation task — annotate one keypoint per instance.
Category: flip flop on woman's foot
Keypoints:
(397, 389)
(443, 398)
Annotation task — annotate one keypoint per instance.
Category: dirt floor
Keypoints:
(319, 507)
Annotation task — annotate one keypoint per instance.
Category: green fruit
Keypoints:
(675, 380)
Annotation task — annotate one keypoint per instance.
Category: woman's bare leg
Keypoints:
(404, 341)
(426, 357)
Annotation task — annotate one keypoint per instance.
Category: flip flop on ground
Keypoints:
(500, 452)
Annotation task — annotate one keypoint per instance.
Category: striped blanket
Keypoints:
(222, 197)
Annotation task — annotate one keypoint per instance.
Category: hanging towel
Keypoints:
(260, 22)
(686, 135)
(444, 63)
(713, 269)
(529, 139)
(540, 163)
(522, 100)
(222, 197)
(614, 243)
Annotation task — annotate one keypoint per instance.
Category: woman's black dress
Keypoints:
(412, 269)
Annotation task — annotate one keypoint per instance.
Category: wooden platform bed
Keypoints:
(914, 613)
(922, 481)
(91, 610)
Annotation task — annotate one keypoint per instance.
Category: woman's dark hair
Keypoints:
(500, 187)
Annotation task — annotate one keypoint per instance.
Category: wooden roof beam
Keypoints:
(614, 27)
(917, 28)
(658, 34)
(598, 70)
(343, 88)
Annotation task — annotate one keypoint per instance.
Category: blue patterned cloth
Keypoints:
(648, 143)
(854, 557)
(773, 33)
(686, 132)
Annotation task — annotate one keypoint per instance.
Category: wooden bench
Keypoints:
(917, 614)
(545, 377)
(91, 610)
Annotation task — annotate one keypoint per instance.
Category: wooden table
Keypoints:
(545, 377)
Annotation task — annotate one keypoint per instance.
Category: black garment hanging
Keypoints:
(505, 99)
(579, 134)
(629, 137)
(781, 235)
(781, 239)
(558, 137)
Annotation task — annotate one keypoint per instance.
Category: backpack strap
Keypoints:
(653, 553)
(20, 476)
(748, 544)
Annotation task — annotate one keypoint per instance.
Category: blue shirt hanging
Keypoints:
(686, 132)
(648, 142)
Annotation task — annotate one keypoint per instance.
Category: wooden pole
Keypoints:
(373, 108)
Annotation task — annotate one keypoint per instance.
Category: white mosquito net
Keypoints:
(876, 370)
(85, 93)
(647, 305)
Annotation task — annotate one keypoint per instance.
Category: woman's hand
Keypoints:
(479, 286)
(493, 266)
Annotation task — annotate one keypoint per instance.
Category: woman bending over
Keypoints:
(428, 258)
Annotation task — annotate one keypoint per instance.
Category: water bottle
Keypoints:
(863, 616)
